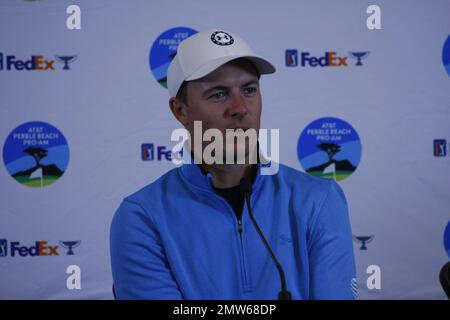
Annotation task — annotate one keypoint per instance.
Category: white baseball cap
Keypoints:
(207, 50)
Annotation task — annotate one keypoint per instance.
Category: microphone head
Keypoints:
(246, 186)
(444, 277)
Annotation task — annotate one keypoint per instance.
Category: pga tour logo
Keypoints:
(440, 147)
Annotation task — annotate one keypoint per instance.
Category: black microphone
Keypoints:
(444, 277)
(246, 189)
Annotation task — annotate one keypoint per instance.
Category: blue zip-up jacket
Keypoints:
(178, 239)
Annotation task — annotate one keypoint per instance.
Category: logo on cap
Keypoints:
(222, 38)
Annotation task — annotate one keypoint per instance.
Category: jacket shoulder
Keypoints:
(154, 190)
(304, 180)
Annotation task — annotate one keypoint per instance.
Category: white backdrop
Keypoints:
(108, 103)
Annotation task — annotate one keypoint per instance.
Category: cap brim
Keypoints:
(263, 66)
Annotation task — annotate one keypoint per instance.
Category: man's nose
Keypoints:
(238, 107)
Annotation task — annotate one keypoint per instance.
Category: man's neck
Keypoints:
(229, 175)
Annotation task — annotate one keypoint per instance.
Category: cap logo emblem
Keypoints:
(222, 38)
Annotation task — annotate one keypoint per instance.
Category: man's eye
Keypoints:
(250, 90)
(217, 95)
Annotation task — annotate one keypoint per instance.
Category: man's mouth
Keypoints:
(241, 128)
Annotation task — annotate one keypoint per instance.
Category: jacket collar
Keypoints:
(202, 179)
(193, 174)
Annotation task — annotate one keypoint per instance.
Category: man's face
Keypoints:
(227, 98)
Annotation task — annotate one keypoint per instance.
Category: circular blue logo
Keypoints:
(329, 148)
(446, 55)
(164, 49)
(447, 239)
(36, 154)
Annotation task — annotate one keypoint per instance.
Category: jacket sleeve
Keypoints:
(138, 261)
(332, 262)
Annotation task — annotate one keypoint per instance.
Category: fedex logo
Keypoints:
(163, 152)
(36, 62)
(151, 152)
(328, 59)
(40, 248)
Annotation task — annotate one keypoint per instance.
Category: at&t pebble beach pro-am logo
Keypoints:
(447, 239)
(329, 148)
(164, 49)
(446, 55)
(36, 154)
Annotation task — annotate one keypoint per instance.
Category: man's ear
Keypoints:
(179, 110)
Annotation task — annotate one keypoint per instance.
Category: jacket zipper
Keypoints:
(240, 227)
(241, 247)
(243, 258)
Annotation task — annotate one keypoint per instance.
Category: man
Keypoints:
(188, 235)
